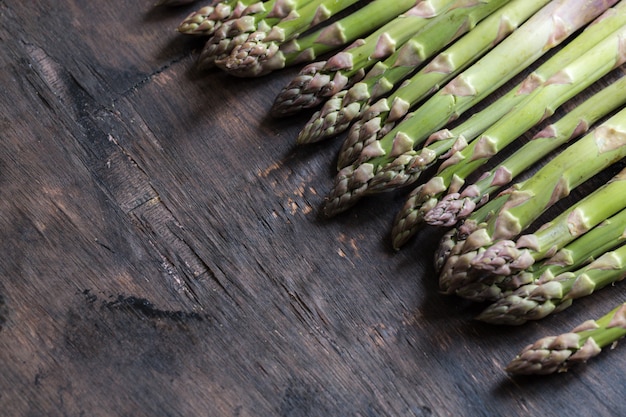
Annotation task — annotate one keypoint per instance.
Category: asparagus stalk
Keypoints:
(262, 45)
(258, 17)
(591, 245)
(306, 48)
(456, 206)
(204, 21)
(536, 301)
(384, 75)
(558, 353)
(383, 164)
(325, 78)
(445, 142)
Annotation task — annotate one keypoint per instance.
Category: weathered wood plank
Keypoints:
(164, 253)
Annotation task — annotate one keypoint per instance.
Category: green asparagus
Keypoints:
(349, 105)
(558, 353)
(461, 17)
(489, 250)
(361, 22)
(446, 142)
(536, 301)
(383, 164)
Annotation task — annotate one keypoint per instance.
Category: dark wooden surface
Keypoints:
(163, 255)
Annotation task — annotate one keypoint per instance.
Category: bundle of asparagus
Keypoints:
(591, 245)
(398, 75)
(391, 162)
(414, 36)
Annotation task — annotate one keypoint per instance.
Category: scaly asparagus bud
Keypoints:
(537, 300)
(205, 21)
(257, 17)
(485, 256)
(591, 245)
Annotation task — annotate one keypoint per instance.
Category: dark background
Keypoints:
(162, 251)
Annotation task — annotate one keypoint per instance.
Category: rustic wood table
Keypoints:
(163, 252)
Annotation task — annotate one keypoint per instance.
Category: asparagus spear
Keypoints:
(456, 206)
(383, 164)
(204, 21)
(558, 353)
(325, 78)
(536, 301)
(591, 245)
(347, 106)
(423, 199)
(258, 17)
(543, 102)
(262, 45)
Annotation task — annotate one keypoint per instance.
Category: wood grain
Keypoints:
(163, 253)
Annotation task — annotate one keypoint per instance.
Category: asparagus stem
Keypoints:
(261, 46)
(384, 75)
(559, 353)
(503, 256)
(383, 164)
(408, 222)
(323, 79)
(456, 206)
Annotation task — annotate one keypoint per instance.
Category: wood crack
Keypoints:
(115, 169)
